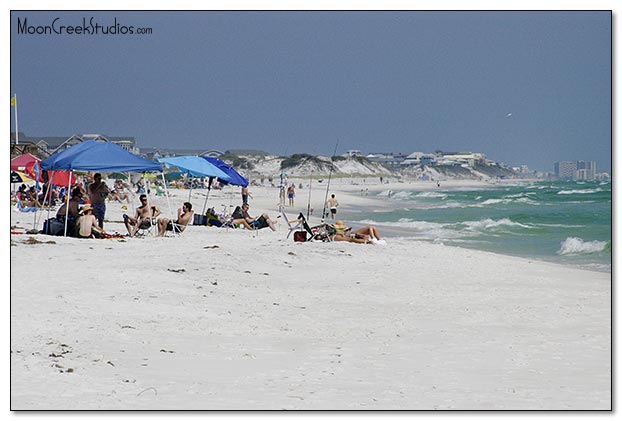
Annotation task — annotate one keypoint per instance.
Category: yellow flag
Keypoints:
(12, 101)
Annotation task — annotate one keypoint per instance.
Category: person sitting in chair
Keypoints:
(217, 221)
(142, 218)
(73, 212)
(258, 223)
(184, 216)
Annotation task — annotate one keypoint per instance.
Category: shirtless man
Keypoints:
(142, 218)
(259, 222)
(74, 202)
(332, 205)
(87, 224)
(184, 215)
(98, 191)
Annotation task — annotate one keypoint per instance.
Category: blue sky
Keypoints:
(522, 87)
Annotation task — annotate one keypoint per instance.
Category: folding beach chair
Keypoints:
(295, 225)
(322, 232)
(179, 229)
(146, 228)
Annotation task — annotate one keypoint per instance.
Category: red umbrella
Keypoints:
(23, 162)
(61, 178)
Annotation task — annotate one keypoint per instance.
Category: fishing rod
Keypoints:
(328, 184)
(309, 201)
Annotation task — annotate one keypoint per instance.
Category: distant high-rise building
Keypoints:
(575, 170)
(565, 170)
(586, 170)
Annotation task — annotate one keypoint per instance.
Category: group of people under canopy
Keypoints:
(83, 222)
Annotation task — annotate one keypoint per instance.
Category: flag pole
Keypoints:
(16, 128)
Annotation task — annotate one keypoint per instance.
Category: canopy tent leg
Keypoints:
(209, 188)
(68, 194)
(168, 199)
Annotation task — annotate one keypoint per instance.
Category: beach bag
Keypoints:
(199, 220)
(300, 236)
(53, 226)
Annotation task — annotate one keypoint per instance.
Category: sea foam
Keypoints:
(574, 245)
(586, 191)
(486, 224)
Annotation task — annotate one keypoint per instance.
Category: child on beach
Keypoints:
(87, 224)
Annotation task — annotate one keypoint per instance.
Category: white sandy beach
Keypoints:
(218, 319)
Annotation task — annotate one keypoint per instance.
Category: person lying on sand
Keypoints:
(365, 235)
(184, 215)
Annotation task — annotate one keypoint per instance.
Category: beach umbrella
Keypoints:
(174, 175)
(236, 178)
(23, 162)
(194, 166)
(118, 175)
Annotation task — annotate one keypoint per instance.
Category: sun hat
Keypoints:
(339, 227)
(87, 207)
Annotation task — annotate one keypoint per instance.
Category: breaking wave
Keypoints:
(574, 245)
(586, 191)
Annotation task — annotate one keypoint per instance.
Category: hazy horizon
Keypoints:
(524, 88)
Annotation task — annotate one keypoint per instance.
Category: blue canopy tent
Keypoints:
(194, 166)
(236, 178)
(93, 155)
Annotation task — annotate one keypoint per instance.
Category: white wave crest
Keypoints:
(493, 201)
(508, 200)
(488, 224)
(574, 245)
(586, 191)
(431, 194)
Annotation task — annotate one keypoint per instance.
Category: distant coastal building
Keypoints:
(390, 160)
(44, 146)
(469, 159)
(419, 158)
(575, 170)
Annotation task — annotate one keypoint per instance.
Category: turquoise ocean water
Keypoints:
(563, 222)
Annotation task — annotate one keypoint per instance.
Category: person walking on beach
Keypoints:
(332, 204)
(98, 191)
(244, 194)
(281, 195)
(290, 194)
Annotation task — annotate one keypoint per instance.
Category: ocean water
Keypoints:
(563, 222)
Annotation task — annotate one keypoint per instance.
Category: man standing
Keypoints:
(98, 191)
(290, 194)
(332, 205)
